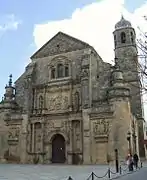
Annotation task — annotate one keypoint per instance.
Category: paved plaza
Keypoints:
(139, 175)
(50, 172)
(56, 172)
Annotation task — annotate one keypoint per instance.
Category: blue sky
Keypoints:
(16, 46)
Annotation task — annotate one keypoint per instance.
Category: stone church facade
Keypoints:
(71, 107)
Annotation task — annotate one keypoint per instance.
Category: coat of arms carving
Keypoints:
(101, 127)
(58, 103)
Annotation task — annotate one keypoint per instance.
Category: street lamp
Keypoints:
(116, 161)
(129, 141)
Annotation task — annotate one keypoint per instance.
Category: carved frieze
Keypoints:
(50, 125)
(101, 127)
(58, 103)
(36, 119)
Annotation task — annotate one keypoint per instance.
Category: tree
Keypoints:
(142, 58)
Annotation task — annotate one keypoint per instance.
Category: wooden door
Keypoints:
(58, 149)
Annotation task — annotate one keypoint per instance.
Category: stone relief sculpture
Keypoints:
(58, 103)
(50, 124)
(101, 127)
(13, 133)
(85, 73)
(76, 101)
(64, 126)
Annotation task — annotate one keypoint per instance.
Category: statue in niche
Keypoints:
(51, 104)
(64, 126)
(77, 128)
(65, 102)
(39, 138)
(77, 131)
(106, 127)
(58, 102)
(85, 73)
(76, 101)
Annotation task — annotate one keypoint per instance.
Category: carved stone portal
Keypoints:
(101, 127)
(58, 103)
(50, 128)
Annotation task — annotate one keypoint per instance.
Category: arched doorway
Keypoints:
(58, 149)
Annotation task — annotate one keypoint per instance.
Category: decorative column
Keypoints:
(42, 137)
(42, 142)
(70, 97)
(33, 137)
(35, 101)
(44, 100)
(85, 86)
(85, 79)
(70, 151)
(28, 96)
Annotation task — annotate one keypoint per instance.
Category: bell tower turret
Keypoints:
(125, 46)
(124, 34)
(126, 56)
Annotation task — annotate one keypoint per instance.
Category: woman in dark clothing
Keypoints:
(135, 159)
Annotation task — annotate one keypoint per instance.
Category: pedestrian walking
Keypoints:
(130, 162)
(135, 159)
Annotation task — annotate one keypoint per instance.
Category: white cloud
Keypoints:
(8, 22)
(93, 24)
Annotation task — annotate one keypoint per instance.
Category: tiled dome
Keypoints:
(122, 24)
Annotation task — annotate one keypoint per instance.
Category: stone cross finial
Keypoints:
(122, 17)
(10, 80)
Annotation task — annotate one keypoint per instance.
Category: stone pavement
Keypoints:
(50, 172)
(139, 175)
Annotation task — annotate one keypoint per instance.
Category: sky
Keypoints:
(26, 25)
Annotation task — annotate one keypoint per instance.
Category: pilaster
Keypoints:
(70, 97)
(86, 138)
(70, 150)
(33, 137)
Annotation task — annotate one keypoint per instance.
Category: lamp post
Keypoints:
(129, 141)
(116, 161)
